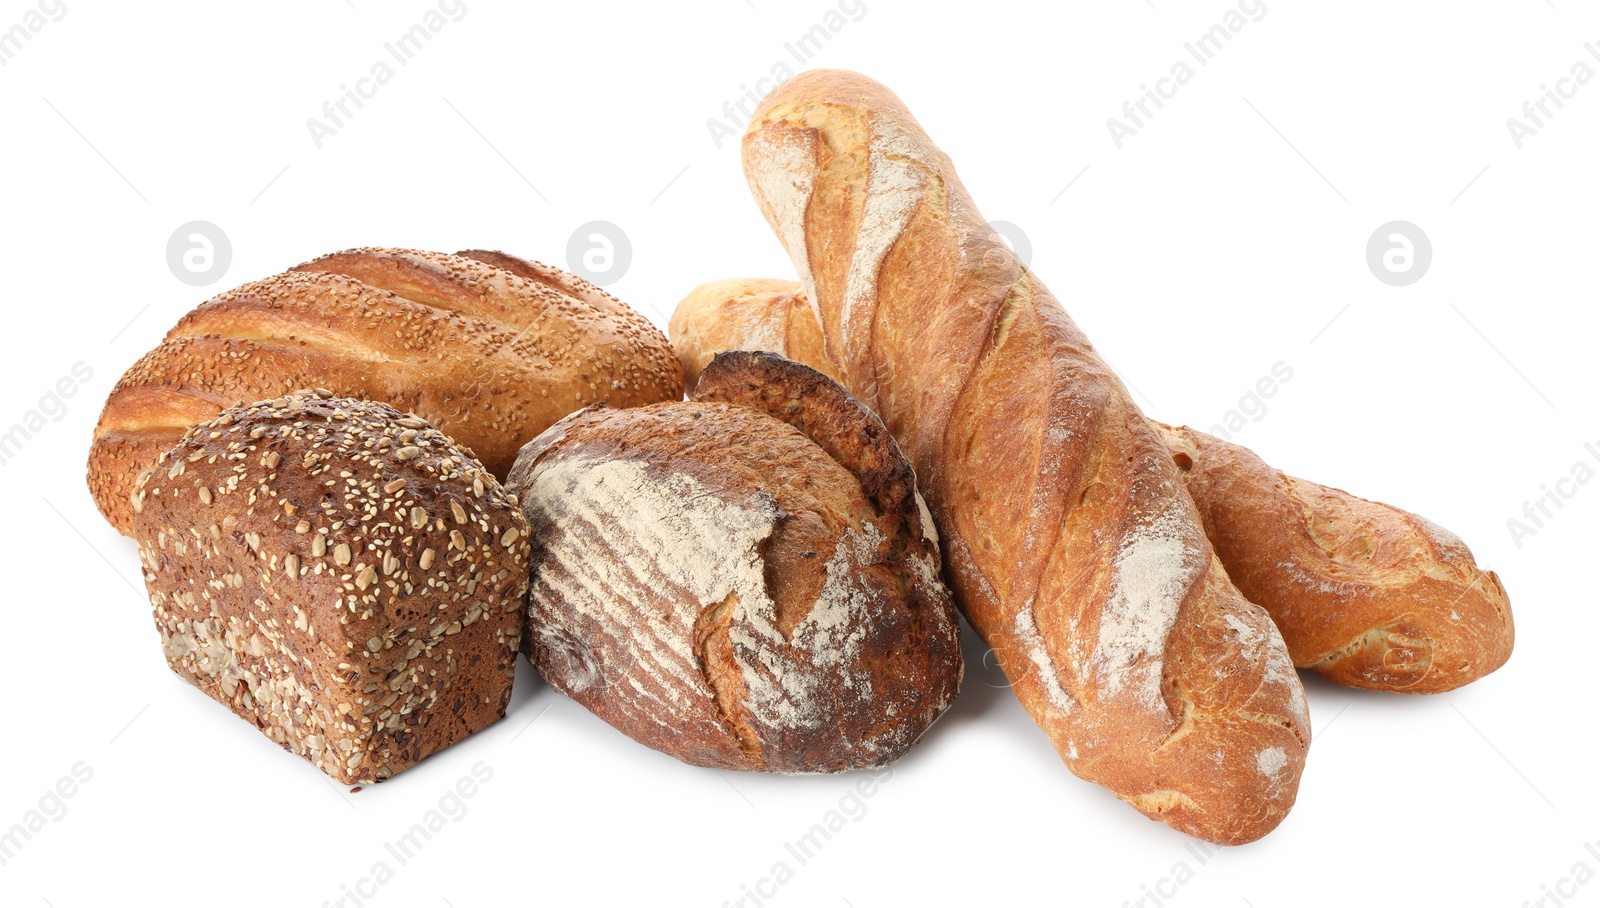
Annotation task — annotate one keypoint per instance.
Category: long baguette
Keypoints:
(1073, 546)
(1365, 594)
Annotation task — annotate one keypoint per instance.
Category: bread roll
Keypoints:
(340, 575)
(1364, 594)
(742, 581)
(489, 348)
(1073, 547)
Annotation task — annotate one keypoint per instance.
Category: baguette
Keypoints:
(1071, 543)
(1365, 594)
(488, 348)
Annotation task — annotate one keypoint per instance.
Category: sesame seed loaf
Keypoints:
(744, 581)
(489, 348)
(341, 575)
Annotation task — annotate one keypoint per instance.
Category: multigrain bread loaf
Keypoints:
(746, 580)
(340, 575)
(1365, 594)
(1072, 544)
(489, 348)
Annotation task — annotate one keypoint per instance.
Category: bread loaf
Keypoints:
(489, 348)
(1365, 594)
(1072, 544)
(340, 575)
(746, 580)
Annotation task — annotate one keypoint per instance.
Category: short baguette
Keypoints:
(1073, 547)
(489, 348)
(1365, 594)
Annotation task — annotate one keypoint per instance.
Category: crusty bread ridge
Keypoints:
(1365, 594)
(489, 348)
(1072, 544)
(737, 590)
(337, 573)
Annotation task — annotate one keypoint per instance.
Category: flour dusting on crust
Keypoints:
(615, 528)
(1027, 634)
(1151, 574)
(783, 169)
(894, 187)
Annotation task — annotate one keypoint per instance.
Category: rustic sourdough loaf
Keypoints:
(746, 580)
(1072, 544)
(1365, 594)
(489, 348)
(339, 574)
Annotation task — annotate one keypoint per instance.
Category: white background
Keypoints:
(1223, 238)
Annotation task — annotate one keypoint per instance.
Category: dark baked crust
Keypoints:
(826, 413)
(338, 573)
(711, 582)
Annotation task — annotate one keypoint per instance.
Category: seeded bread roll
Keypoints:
(343, 576)
(743, 581)
(490, 348)
(1365, 594)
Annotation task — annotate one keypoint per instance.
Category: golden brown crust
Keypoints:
(1368, 595)
(1073, 546)
(1365, 594)
(762, 314)
(339, 574)
(491, 356)
(710, 581)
